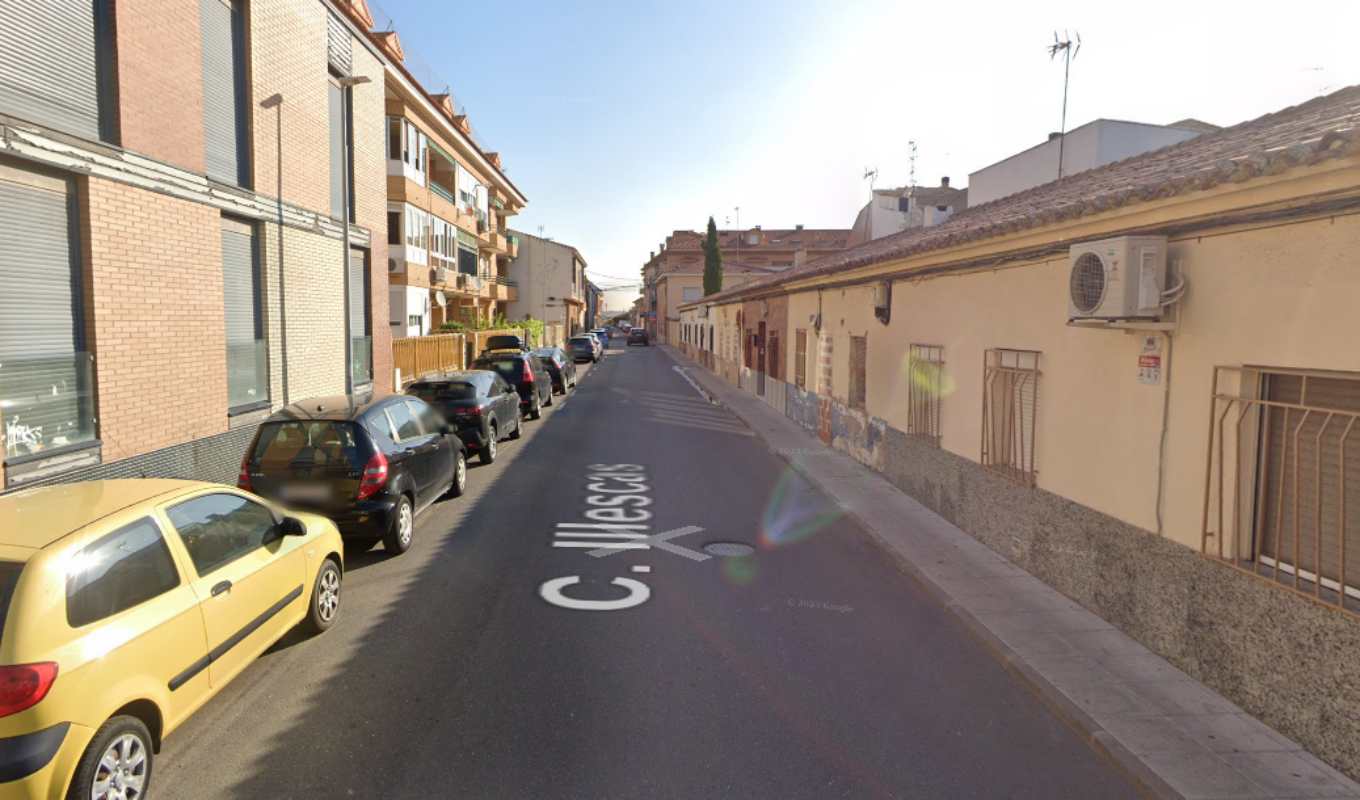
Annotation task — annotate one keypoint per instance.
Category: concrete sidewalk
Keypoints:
(1168, 732)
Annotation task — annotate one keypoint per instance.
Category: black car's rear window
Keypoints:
(444, 392)
(508, 368)
(310, 443)
(9, 577)
(581, 341)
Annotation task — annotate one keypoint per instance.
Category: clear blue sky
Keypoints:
(622, 121)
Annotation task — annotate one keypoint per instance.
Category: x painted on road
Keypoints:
(661, 541)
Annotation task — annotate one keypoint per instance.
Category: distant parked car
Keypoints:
(560, 368)
(503, 342)
(584, 348)
(369, 465)
(127, 605)
(479, 403)
(602, 336)
(605, 332)
(638, 336)
(524, 372)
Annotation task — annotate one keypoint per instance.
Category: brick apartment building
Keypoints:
(180, 248)
(674, 274)
(448, 203)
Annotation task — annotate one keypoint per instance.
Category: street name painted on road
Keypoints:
(617, 520)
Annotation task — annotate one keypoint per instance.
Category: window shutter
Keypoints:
(338, 45)
(358, 295)
(241, 301)
(48, 64)
(224, 119)
(39, 329)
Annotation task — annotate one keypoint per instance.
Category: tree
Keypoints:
(713, 268)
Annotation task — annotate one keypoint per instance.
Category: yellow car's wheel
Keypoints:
(325, 605)
(117, 762)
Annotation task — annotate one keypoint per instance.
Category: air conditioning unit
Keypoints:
(441, 275)
(1117, 279)
(392, 266)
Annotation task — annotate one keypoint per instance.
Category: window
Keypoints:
(394, 148)
(55, 69)
(360, 341)
(117, 572)
(1283, 490)
(284, 445)
(776, 369)
(428, 417)
(403, 422)
(217, 529)
(467, 261)
(859, 355)
(247, 372)
(800, 358)
(925, 372)
(413, 320)
(46, 377)
(394, 230)
(225, 105)
(1010, 396)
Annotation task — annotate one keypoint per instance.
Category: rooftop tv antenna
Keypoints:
(870, 175)
(911, 158)
(1069, 45)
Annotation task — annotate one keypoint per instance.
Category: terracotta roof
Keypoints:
(771, 239)
(1323, 128)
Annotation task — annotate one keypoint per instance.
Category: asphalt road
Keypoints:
(810, 669)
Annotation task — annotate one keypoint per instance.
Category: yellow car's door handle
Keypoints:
(221, 588)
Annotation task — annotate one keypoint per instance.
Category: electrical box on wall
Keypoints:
(1120, 279)
(883, 301)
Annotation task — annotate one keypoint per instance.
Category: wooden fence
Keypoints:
(416, 356)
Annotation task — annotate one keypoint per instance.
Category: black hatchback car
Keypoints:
(480, 404)
(369, 464)
(524, 372)
(638, 336)
(561, 369)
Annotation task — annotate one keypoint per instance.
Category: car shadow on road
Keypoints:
(408, 640)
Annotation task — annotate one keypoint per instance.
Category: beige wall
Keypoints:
(1280, 296)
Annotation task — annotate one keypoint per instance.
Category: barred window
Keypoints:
(800, 358)
(925, 373)
(1010, 402)
(859, 356)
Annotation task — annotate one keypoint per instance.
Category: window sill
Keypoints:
(22, 470)
(249, 414)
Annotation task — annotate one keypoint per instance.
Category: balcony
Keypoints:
(497, 242)
(506, 289)
(512, 246)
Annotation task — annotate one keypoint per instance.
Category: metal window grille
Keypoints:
(925, 373)
(1282, 480)
(1010, 404)
(859, 356)
(800, 358)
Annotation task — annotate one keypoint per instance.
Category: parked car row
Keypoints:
(126, 604)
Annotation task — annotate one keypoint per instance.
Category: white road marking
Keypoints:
(641, 569)
(661, 541)
(685, 374)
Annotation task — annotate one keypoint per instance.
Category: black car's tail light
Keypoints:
(375, 476)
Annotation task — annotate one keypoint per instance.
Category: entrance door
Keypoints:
(760, 360)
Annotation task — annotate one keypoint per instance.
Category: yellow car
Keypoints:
(125, 605)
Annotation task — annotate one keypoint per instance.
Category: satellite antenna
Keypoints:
(1069, 47)
(911, 157)
(870, 175)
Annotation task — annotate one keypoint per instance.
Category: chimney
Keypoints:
(1055, 135)
(799, 226)
(944, 182)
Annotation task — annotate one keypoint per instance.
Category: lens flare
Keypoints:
(795, 512)
(928, 376)
(740, 571)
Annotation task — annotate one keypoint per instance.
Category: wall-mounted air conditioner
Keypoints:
(1117, 279)
(441, 275)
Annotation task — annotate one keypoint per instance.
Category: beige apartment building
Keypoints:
(192, 205)
(551, 279)
(674, 274)
(448, 203)
(1140, 383)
